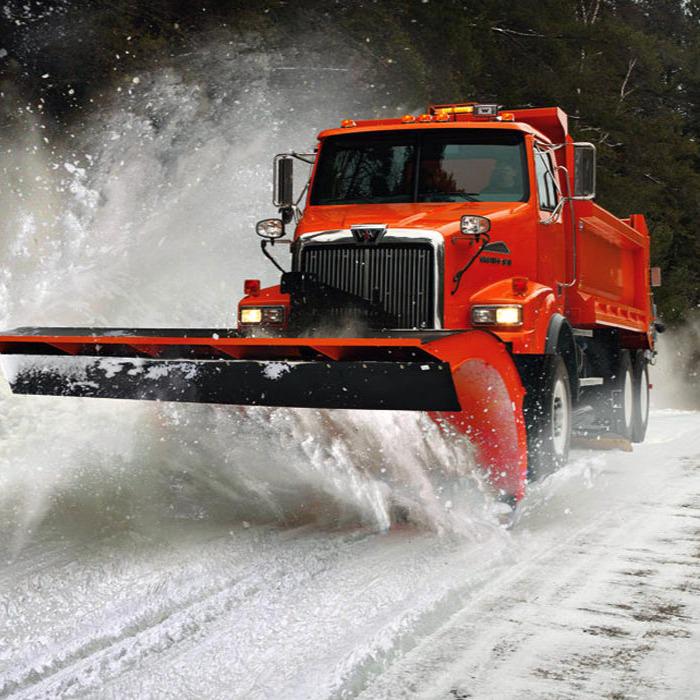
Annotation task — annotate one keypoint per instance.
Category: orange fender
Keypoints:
(490, 393)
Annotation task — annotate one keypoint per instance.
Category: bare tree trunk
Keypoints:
(588, 14)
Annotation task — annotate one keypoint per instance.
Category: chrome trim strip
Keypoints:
(393, 235)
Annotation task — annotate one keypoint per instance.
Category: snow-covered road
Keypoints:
(602, 598)
(594, 593)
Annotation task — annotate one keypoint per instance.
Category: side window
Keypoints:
(547, 192)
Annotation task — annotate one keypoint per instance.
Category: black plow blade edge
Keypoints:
(412, 386)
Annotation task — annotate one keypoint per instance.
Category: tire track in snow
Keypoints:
(108, 646)
(612, 612)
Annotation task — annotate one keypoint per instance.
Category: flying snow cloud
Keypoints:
(146, 218)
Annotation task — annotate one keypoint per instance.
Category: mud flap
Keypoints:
(601, 441)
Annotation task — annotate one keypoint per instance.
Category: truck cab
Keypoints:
(447, 221)
(470, 217)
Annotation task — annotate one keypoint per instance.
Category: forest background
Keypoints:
(626, 71)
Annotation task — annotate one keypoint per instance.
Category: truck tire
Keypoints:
(548, 417)
(619, 389)
(640, 390)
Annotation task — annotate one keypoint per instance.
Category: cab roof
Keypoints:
(547, 123)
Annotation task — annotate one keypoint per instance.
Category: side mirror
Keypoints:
(270, 229)
(283, 196)
(584, 171)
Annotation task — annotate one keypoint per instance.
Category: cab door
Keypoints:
(551, 243)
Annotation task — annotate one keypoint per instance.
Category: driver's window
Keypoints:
(546, 190)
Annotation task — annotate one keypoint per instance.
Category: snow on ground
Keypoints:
(593, 593)
(602, 600)
(197, 552)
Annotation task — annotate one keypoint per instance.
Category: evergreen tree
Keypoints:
(626, 71)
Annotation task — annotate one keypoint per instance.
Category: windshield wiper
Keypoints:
(433, 196)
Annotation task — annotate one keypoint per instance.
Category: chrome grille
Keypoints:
(399, 278)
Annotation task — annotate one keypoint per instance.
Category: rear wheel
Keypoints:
(548, 417)
(640, 392)
(622, 396)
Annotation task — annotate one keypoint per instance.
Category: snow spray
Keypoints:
(145, 218)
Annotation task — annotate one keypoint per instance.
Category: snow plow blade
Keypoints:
(465, 379)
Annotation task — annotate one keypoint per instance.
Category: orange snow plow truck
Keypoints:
(453, 262)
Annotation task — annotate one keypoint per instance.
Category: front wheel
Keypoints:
(548, 417)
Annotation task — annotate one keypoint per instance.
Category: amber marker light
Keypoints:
(408, 119)
(348, 123)
(507, 116)
(425, 118)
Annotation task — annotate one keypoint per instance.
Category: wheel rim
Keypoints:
(560, 417)
(628, 399)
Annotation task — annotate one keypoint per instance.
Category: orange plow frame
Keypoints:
(465, 379)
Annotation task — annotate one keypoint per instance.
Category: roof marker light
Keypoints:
(458, 108)
(507, 116)
(425, 118)
(348, 123)
(408, 118)
(442, 117)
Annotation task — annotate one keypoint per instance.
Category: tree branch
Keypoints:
(514, 32)
(623, 88)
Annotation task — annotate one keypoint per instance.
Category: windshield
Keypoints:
(475, 165)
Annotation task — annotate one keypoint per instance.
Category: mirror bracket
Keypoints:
(287, 214)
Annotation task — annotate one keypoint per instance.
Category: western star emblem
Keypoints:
(368, 233)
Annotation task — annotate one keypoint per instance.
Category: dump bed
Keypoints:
(610, 276)
(612, 286)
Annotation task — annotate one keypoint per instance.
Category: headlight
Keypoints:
(503, 315)
(251, 315)
(274, 315)
(472, 225)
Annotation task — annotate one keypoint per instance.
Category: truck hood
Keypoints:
(440, 216)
